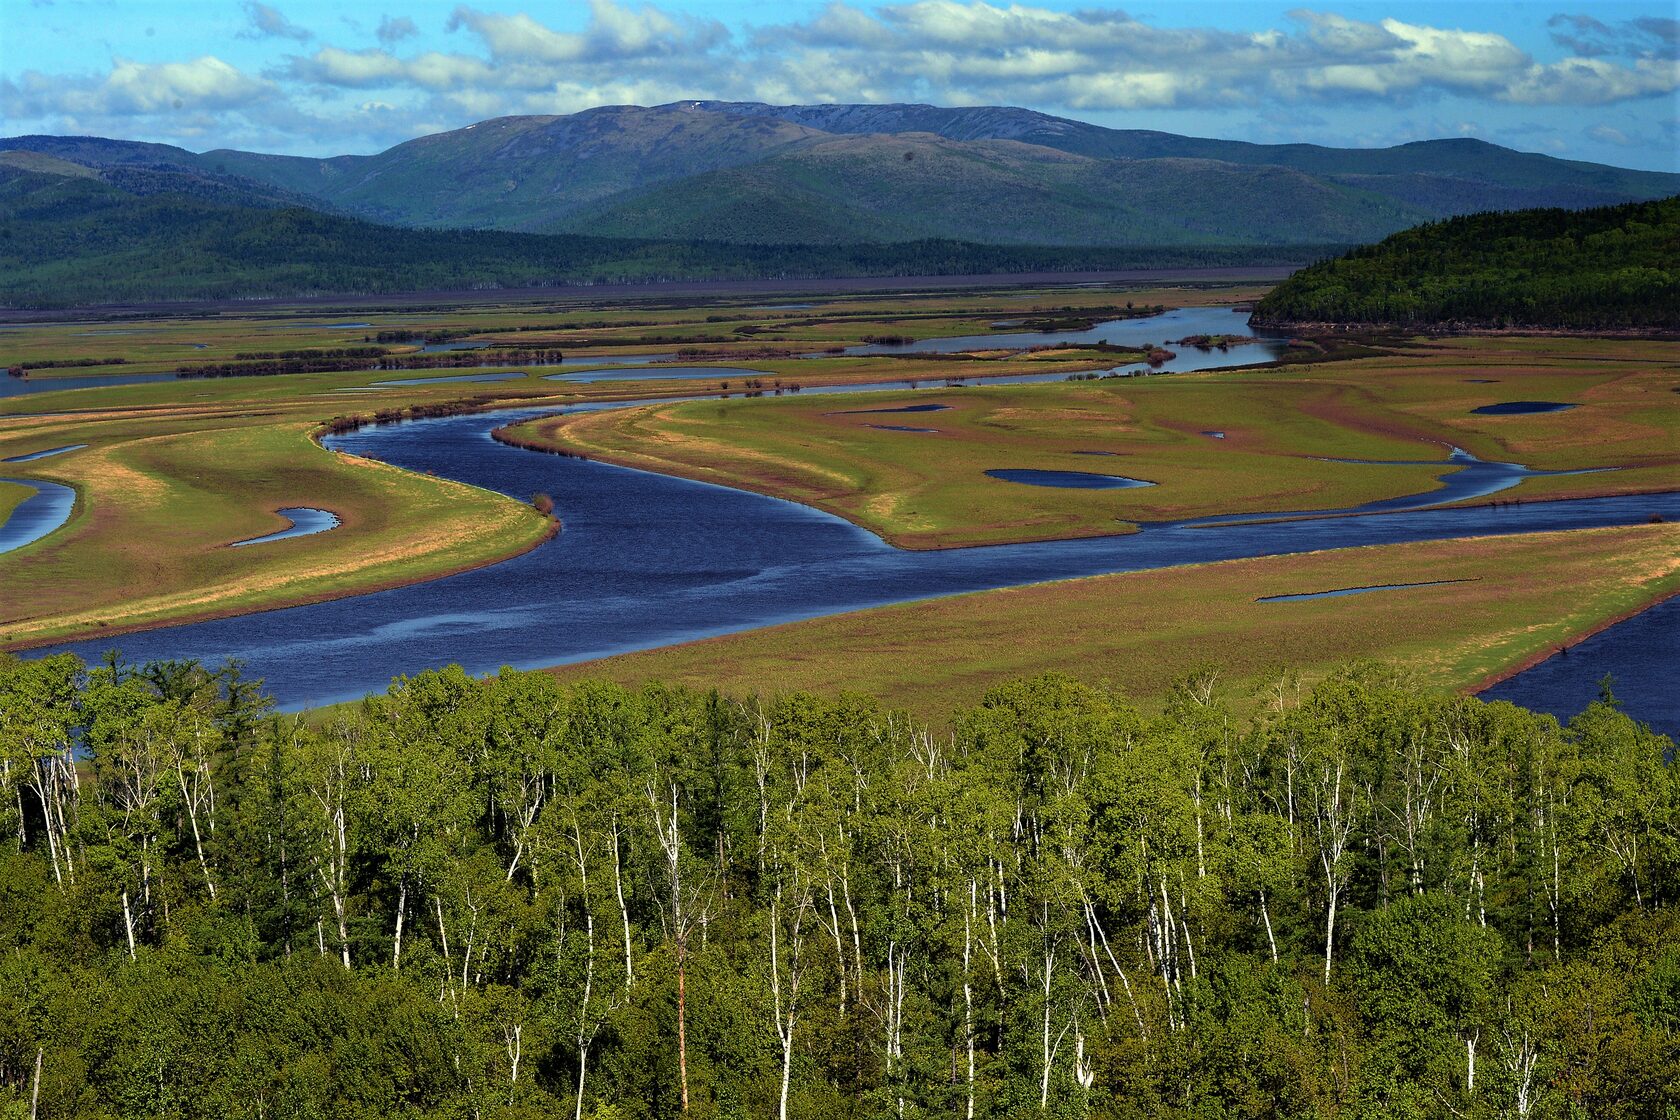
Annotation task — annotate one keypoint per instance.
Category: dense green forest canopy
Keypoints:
(510, 898)
(1608, 268)
(70, 240)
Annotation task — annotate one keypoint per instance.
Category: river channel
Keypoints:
(647, 560)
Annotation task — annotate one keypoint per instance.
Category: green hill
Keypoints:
(72, 239)
(1460, 161)
(1606, 268)
(830, 174)
(918, 185)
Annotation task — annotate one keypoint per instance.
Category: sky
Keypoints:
(1594, 81)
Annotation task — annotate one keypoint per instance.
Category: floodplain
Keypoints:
(176, 470)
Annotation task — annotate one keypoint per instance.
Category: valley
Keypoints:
(902, 440)
(956, 560)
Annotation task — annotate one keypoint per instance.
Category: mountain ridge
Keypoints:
(71, 239)
(755, 173)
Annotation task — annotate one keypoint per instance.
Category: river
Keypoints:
(647, 560)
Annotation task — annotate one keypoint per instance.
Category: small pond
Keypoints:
(903, 408)
(37, 515)
(1521, 408)
(305, 521)
(904, 428)
(1070, 480)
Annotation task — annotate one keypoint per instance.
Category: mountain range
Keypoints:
(748, 173)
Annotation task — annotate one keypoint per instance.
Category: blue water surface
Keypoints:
(306, 521)
(647, 560)
(1641, 656)
(37, 515)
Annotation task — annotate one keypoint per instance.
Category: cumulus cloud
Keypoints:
(1586, 36)
(1090, 62)
(134, 89)
(271, 23)
(395, 30)
(614, 34)
(1107, 60)
(1647, 37)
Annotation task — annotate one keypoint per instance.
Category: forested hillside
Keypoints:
(834, 174)
(1611, 267)
(513, 899)
(994, 192)
(68, 239)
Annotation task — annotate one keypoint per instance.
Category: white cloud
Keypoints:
(395, 30)
(1090, 62)
(269, 23)
(353, 69)
(134, 89)
(614, 34)
(1593, 81)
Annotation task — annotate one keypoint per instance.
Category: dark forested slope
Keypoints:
(67, 238)
(744, 172)
(495, 898)
(1613, 267)
(847, 189)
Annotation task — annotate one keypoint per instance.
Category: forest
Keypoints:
(1614, 267)
(73, 241)
(512, 898)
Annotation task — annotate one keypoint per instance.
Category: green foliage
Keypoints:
(802, 174)
(1612, 267)
(509, 898)
(67, 241)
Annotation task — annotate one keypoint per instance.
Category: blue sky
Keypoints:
(1592, 81)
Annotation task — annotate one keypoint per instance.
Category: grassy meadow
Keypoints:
(1509, 599)
(176, 470)
(928, 488)
(164, 343)
(159, 499)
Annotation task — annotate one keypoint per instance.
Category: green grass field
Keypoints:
(1520, 596)
(178, 469)
(164, 343)
(928, 489)
(160, 498)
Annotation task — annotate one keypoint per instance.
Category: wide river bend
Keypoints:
(647, 560)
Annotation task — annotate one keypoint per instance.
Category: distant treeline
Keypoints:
(512, 899)
(1616, 267)
(21, 369)
(324, 361)
(69, 241)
